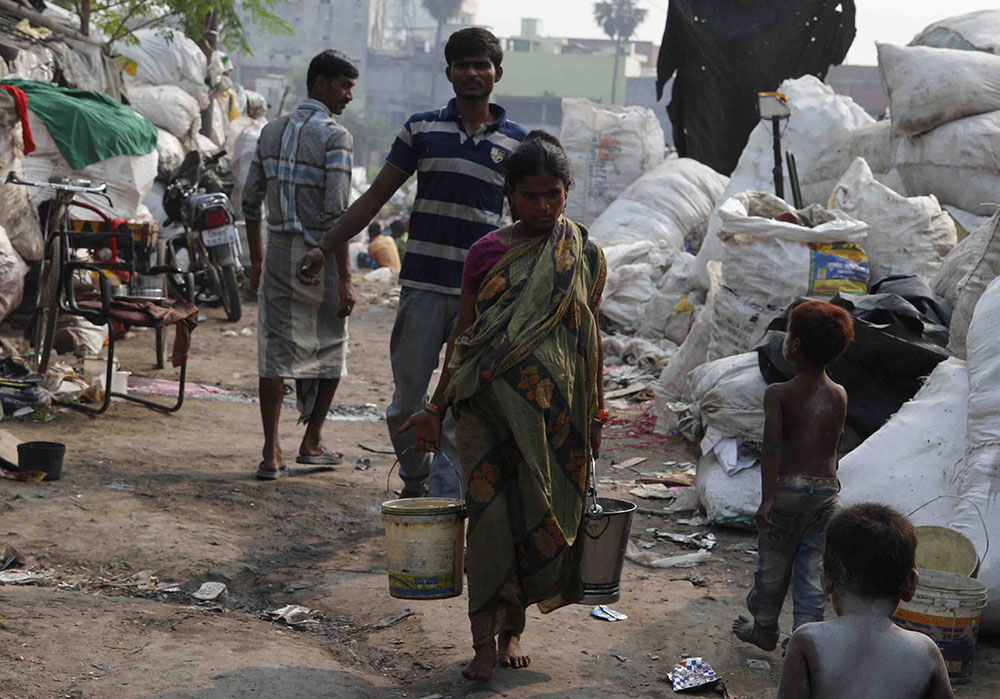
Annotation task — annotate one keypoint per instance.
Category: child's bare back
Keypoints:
(812, 412)
(862, 655)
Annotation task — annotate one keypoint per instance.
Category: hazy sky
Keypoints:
(889, 21)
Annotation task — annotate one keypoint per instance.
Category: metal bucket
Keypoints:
(605, 537)
(425, 547)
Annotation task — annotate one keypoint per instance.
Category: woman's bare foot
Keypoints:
(511, 654)
(481, 667)
(746, 630)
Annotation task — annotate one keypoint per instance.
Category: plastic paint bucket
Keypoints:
(947, 608)
(605, 537)
(944, 549)
(425, 546)
(42, 456)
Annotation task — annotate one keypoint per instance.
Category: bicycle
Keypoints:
(54, 255)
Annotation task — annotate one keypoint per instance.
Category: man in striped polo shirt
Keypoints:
(458, 153)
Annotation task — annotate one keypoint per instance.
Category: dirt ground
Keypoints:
(149, 501)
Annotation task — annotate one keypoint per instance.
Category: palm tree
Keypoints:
(619, 19)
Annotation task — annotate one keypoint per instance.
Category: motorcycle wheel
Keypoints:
(230, 293)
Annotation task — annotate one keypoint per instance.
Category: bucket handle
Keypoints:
(388, 477)
(978, 512)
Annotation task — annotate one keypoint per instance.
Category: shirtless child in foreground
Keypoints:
(803, 421)
(868, 568)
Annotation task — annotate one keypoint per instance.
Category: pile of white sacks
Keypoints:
(882, 198)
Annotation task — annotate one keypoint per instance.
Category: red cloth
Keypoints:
(155, 314)
(21, 102)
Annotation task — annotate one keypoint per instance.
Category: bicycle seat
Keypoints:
(70, 181)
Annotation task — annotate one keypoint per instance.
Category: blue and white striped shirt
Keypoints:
(459, 190)
(303, 167)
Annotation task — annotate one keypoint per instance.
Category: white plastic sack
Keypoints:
(129, 177)
(905, 236)
(170, 153)
(668, 315)
(965, 223)
(819, 117)
(666, 205)
(727, 499)
(980, 480)
(929, 87)
(728, 394)
(242, 156)
(256, 105)
(984, 266)
(609, 148)
(960, 262)
(956, 162)
(873, 143)
(168, 107)
(626, 291)
(917, 455)
(767, 264)
(670, 385)
(975, 31)
(17, 214)
(167, 57)
(12, 271)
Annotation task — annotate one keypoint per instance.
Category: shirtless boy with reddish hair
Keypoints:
(803, 422)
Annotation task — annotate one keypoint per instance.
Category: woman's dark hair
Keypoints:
(472, 42)
(870, 550)
(330, 64)
(540, 153)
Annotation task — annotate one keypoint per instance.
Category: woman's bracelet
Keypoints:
(602, 416)
(434, 410)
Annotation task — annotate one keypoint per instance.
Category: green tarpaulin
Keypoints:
(87, 126)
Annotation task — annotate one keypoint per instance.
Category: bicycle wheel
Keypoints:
(47, 305)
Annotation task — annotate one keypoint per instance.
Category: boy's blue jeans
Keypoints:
(791, 551)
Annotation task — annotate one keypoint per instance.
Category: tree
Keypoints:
(441, 11)
(619, 19)
(201, 19)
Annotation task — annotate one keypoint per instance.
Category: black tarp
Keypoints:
(726, 51)
(895, 348)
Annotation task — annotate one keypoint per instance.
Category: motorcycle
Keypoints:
(196, 197)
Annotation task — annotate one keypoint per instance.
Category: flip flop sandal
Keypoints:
(327, 458)
(267, 474)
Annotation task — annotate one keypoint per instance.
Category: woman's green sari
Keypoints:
(524, 385)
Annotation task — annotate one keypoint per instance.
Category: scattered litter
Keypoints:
(246, 332)
(696, 580)
(696, 521)
(11, 558)
(621, 658)
(16, 577)
(685, 500)
(168, 588)
(653, 657)
(629, 463)
(651, 560)
(698, 540)
(293, 614)
(675, 480)
(377, 449)
(757, 665)
(363, 464)
(629, 390)
(433, 696)
(692, 673)
(653, 491)
(230, 333)
(602, 611)
(388, 621)
(209, 591)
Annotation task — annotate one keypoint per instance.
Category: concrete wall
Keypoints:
(561, 75)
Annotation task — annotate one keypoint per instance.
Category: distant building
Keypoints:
(863, 84)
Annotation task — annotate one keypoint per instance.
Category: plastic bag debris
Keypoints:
(651, 560)
(292, 614)
(698, 540)
(607, 613)
(209, 591)
(692, 673)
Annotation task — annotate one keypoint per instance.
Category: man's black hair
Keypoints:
(471, 42)
(331, 64)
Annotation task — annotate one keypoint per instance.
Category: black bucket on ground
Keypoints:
(42, 456)
(605, 537)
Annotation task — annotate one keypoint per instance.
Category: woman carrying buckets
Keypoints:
(523, 376)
